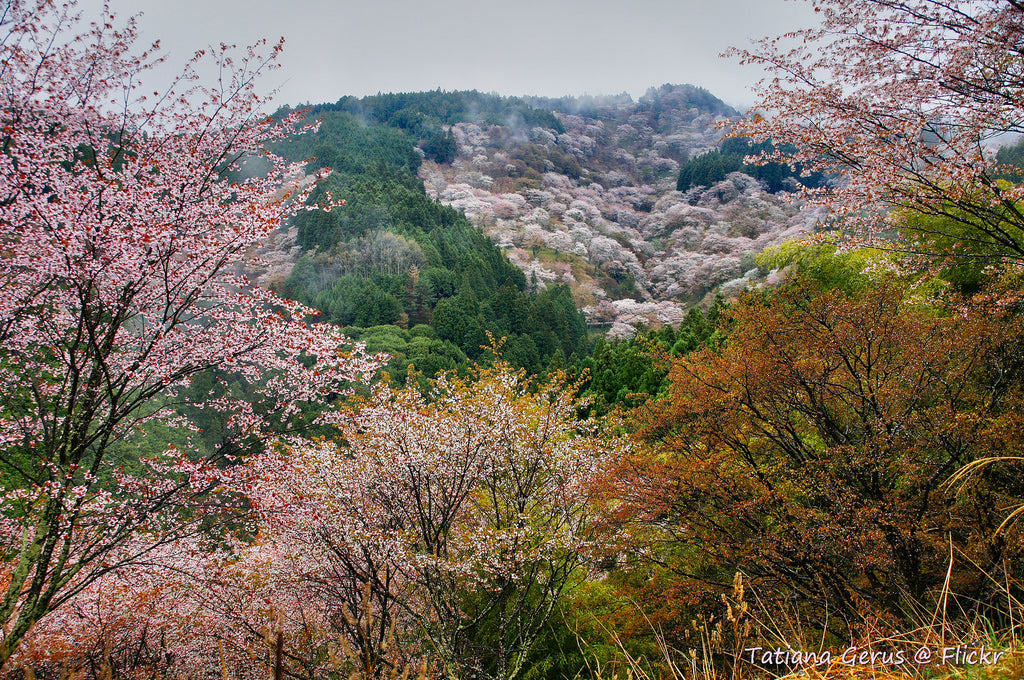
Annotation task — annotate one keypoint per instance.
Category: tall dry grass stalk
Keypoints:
(717, 646)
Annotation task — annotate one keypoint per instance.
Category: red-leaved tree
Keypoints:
(122, 236)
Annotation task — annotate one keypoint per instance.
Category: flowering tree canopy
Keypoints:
(459, 518)
(122, 235)
(900, 99)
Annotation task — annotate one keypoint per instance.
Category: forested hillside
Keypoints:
(579, 194)
(597, 206)
(402, 272)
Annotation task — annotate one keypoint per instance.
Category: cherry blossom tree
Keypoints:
(122, 237)
(458, 517)
(900, 99)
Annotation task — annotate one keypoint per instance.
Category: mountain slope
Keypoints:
(470, 212)
(596, 206)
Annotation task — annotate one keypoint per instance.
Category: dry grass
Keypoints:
(944, 645)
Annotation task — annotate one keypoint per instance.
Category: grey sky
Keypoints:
(545, 47)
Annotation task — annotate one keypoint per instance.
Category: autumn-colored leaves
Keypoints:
(811, 451)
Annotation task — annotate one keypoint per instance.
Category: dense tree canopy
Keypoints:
(713, 166)
(395, 256)
(809, 452)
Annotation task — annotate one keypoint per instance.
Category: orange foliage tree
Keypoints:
(810, 453)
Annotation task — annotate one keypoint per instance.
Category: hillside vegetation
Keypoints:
(408, 275)
(578, 194)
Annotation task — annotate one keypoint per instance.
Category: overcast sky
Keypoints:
(513, 47)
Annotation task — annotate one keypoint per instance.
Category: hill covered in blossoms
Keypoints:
(579, 194)
(595, 206)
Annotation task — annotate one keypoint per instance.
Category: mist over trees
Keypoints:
(395, 257)
(597, 206)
